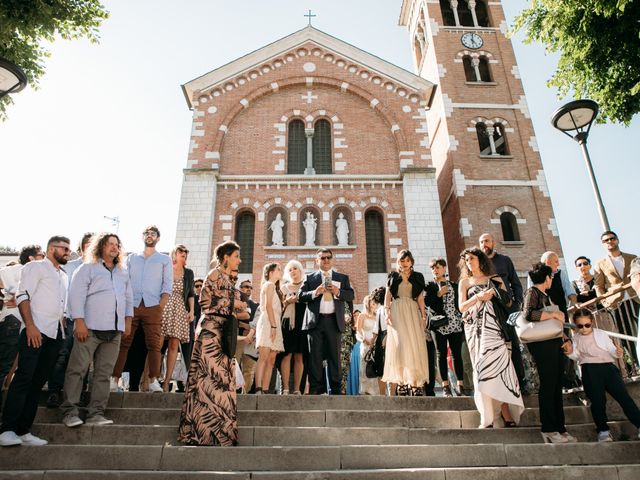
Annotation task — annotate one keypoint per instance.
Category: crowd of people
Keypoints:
(78, 325)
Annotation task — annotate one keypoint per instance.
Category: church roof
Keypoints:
(322, 39)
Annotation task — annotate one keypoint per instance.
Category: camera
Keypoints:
(327, 283)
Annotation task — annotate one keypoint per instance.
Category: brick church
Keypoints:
(310, 141)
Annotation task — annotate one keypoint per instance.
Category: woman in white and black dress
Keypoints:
(295, 339)
(495, 382)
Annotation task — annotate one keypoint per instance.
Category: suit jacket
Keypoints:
(607, 278)
(188, 288)
(306, 296)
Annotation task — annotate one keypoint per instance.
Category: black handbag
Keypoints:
(230, 330)
(375, 366)
(370, 368)
(501, 303)
(438, 321)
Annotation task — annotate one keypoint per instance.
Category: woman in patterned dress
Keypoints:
(442, 298)
(178, 312)
(209, 410)
(269, 339)
(495, 382)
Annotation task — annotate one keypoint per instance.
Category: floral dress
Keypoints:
(175, 321)
(209, 410)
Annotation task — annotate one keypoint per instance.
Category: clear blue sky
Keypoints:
(108, 131)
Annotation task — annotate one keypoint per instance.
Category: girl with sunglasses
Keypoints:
(596, 353)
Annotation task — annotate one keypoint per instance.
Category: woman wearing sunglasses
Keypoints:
(596, 353)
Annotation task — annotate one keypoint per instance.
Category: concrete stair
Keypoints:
(350, 438)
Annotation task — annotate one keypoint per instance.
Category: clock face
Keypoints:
(471, 40)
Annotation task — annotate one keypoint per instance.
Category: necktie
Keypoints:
(327, 296)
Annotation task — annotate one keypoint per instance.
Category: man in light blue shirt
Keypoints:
(151, 274)
(101, 305)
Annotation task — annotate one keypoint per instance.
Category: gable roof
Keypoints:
(309, 33)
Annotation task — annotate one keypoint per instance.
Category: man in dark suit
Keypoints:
(324, 292)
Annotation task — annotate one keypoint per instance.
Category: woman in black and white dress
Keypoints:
(495, 382)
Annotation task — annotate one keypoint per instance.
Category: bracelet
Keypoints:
(274, 327)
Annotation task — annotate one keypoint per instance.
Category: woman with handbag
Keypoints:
(405, 363)
(178, 313)
(442, 298)
(295, 339)
(269, 339)
(547, 353)
(481, 299)
(209, 411)
(366, 323)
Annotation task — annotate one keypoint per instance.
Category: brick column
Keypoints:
(196, 216)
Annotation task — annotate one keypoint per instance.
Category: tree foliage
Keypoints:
(27, 25)
(599, 45)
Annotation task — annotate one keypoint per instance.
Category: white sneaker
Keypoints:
(72, 421)
(605, 436)
(29, 439)
(155, 386)
(7, 439)
(99, 420)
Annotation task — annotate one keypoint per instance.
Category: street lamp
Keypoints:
(574, 120)
(12, 78)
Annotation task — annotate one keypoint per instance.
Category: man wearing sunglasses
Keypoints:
(324, 292)
(41, 297)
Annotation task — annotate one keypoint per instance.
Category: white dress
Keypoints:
(368, 386)
(263, 329)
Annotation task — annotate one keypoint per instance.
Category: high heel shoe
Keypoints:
(508, 423)
(553, 437)
(570, 438)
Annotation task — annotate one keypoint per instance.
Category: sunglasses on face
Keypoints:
(199, 285)
(580, 326)
(609, 239)
(326, 258)
(66, 249)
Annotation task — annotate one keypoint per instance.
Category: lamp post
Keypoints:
(574, 120)
(12, 78)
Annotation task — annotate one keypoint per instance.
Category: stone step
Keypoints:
(582, 472)
(314, 436)
(274, 459)
(317, 402)
(332, 418)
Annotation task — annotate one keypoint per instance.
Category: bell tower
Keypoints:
(481, 139)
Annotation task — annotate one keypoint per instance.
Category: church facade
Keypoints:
(310, 142)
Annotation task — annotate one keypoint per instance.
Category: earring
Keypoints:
(225, 265)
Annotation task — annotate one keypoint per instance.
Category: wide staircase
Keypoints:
(321, 437)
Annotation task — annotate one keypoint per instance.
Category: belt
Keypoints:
(328, 314)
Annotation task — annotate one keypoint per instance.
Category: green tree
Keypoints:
(27, 25)
(599, 45)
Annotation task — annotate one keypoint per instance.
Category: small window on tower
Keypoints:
(448, 17)
(483, 69)
(509, 225)
(464, 14)
(476, 69)
(492, 139)
(482, 13)
(297, 148)
(245, 233)
(500, 139)
(483, 139)
(322, 147)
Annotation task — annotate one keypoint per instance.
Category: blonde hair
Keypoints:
(366, 305)
(293, 263)
(178, 248)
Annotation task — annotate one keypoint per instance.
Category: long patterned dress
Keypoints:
(494, 380)
(209, 410)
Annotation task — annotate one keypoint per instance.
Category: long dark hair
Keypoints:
(266, 271)
(485, 264)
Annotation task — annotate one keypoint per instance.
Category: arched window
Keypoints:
(297, 148)
(374, 234)
(509, 225)
(482, 13)
(492, 139)
(476, 69)
(245, 232)
(464, 14)
(448, 17)
(322, 147)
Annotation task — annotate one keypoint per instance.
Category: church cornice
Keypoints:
(234, 74)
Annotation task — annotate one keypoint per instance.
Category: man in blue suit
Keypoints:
(324, 292)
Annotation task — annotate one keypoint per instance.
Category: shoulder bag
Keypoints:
(529, 332)
(375, 355)
(230, 330)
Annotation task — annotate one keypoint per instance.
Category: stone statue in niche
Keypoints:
(310, 224)
(342, 230)
(277, 231)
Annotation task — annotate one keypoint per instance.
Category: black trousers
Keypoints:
(34, 368)
(516, 356)
(455, 341)
(549, 360)
(324, 342)
(598, 380)
(9, 340)
(56, 379)
(431, 357)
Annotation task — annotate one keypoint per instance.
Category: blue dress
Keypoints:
(353, 379)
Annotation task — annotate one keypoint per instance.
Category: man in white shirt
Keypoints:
(41, 297)
(10, 319)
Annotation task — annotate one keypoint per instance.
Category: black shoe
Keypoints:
(403, 390)
(446, 391)
(54, 400)
(417, 392)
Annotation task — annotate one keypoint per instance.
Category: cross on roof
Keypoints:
(309, 15)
